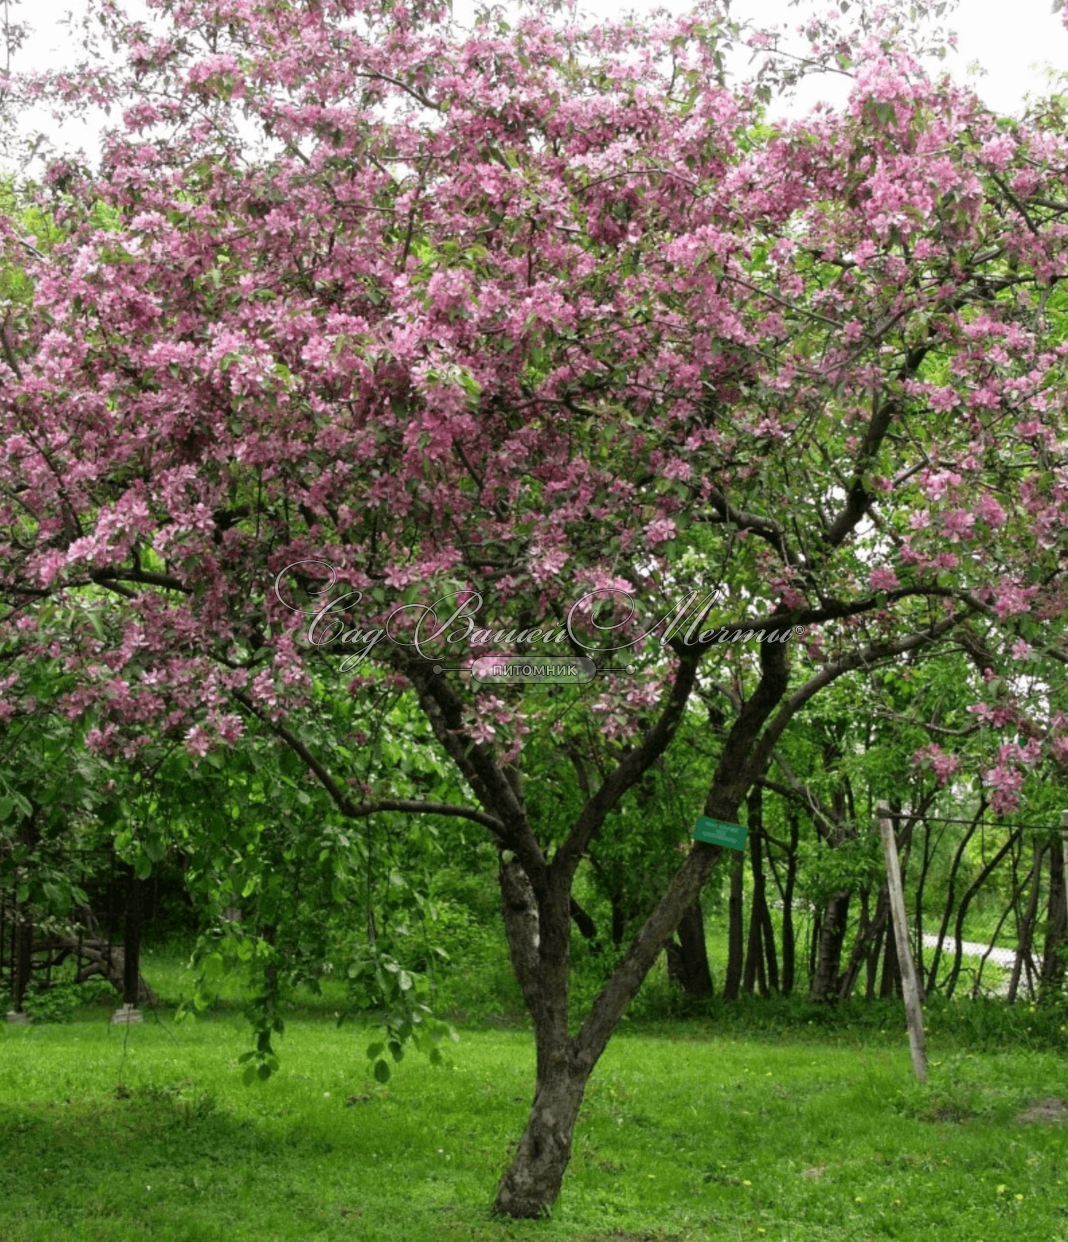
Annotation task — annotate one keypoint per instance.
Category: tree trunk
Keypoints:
(868, 934)
(22, 947)
(761, 934)
(532, 1183)
(23, 950)
(891, 981)
(131, 943)
(736, 929)
(932, 977)
(537, 920)
(786, 892)
(688, 959)
(538, 929)
(974, 888)
(875, 949)
(1023, 943)
(829, 954)
(1052, 977)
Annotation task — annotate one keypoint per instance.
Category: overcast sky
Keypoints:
(1012, 49)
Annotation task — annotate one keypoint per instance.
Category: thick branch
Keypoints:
(359, 810)
(847, 664)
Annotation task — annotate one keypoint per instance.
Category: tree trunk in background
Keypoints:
(761, 932)
(789, 942)
(22, 947)
(1027, 924)
(932, 977)
(829, 951)
(869, 934)
(891, 980)
(688, 959)
(875, 948)
(814, 945)
(966, 901)
(1052, 976)
(131, 943)
(736, 929)
(754, 956)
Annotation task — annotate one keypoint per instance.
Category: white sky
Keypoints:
(1013, 51)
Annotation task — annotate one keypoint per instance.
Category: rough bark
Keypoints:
(532, 1184)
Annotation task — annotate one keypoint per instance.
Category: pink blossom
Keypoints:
(883, 580)
(659, 530)
(989, 511)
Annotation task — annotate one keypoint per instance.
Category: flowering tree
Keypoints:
(485, 324)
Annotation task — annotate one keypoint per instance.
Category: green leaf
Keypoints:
(154, 849)
(375, 1050)
(213, 967)
(382, 1071)
(249, 1076)
(264, 1072)
(435, 1056)
(395, 1050)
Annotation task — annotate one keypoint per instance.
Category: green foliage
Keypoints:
(58, 1001)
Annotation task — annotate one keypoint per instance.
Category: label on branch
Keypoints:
(715, 832)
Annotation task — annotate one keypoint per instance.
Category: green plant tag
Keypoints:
(715, 832)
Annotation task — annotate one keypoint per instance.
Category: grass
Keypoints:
(749, 1125)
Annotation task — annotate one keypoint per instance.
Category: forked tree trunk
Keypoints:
(538, 939)
(536, 904)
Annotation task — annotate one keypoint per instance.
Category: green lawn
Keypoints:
(693, 1130)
